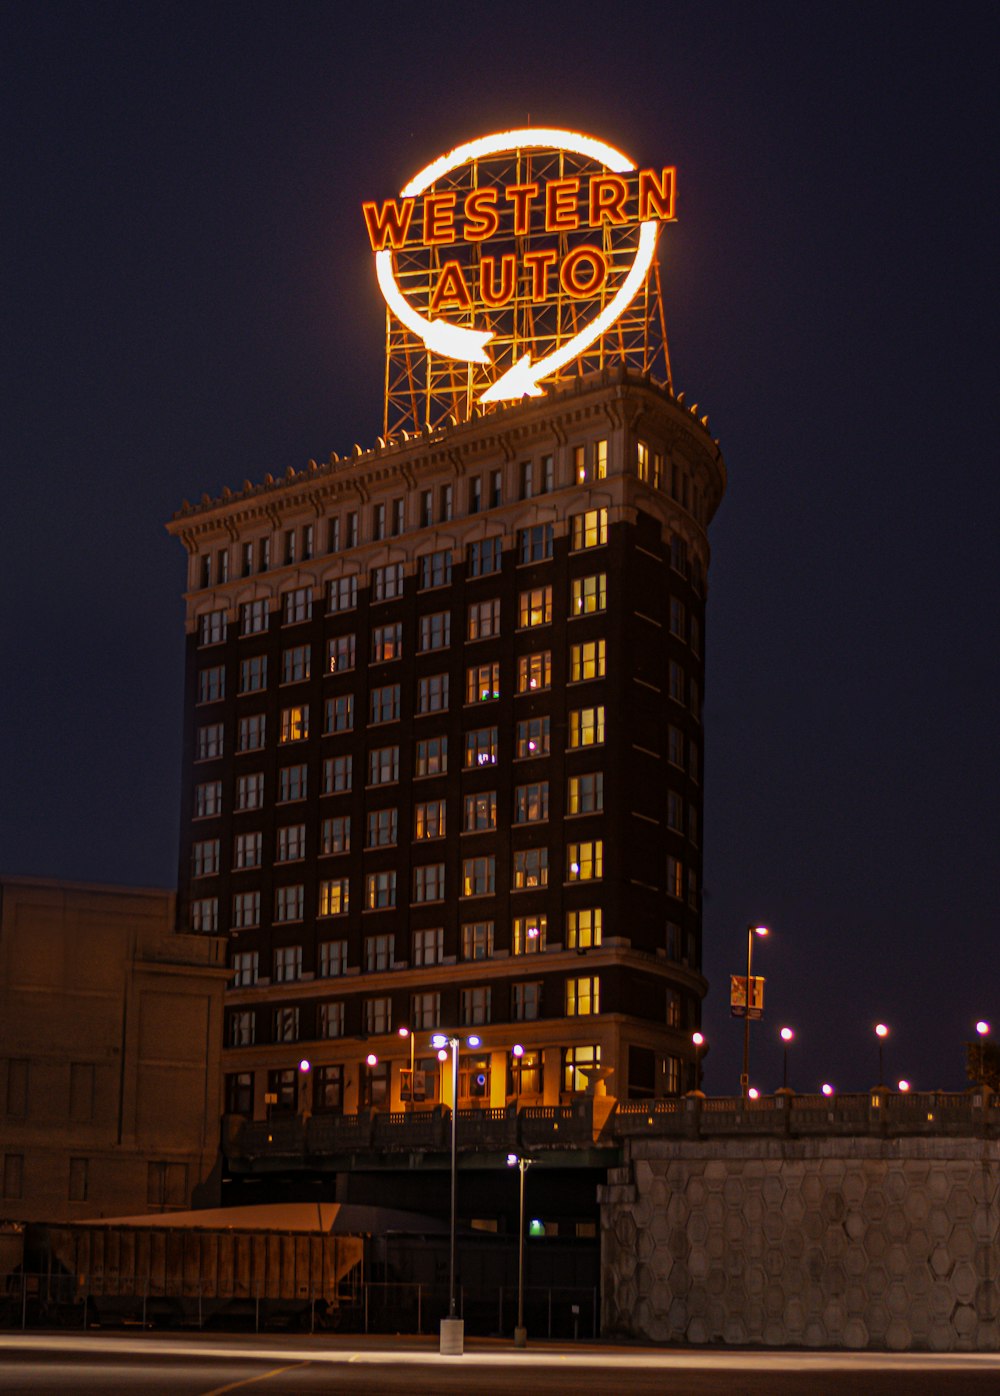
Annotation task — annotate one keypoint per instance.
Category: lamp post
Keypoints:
(698, 1039)
(787, 1036)
(745, 1078)
(405, 1033)
(982, 1028)
(881, 1032)
(452, 1342)
(520, 1332)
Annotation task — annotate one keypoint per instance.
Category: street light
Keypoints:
(452, 1342)
(745, 1078)
(787, 1035)
(904, 1086)
(982, 1028)
(405, 1033)
(520, 1332)
(826, 1088)
(881, 1032)
(753, 1093)
(698, 1038)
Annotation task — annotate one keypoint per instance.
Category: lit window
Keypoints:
(384, 704)
(479, 876)
(583, 996)
(431, 757)
(585, 794)
(335, 834)
(291, 843)
(205, 858)
(332, 958)
(253, 617)
(287, 963)
(675, 877)
(383, 765)
(531, 802)
(482, 682)
(530, 933)
(387, 643)
(534, 672)
(534, 544)
(585, 861)
(484, 556)
(294, 723)
(589, 530)
(380, 951)
(535, 607)
(435, 631)
(295, 664)
(481, 747)
(246, 910)
(292, 783)
(380, 892)
(479, 811)
(429, 820)
(340, 654)
(583, 928)
(211, 684)
(576, 1061)
(533, 737)
(428, 883)
(331, 1019)
(253, 673)
(208, 799)
(587, 661)
(428, 946)
(477, 940)
(432, 693)
(337, 772)
(590, 594)
(382, 827)
(208, 742)
(531, 868)
(338, 713)
(247, 850)
(483, 619)
(288, 902)
(250, 732)
(334, 896)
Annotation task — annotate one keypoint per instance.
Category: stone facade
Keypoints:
(845, 1243)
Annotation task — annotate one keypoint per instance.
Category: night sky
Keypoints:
(189, 301)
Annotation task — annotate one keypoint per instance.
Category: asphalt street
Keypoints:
(211, 1366)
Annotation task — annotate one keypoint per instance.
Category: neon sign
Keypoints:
(515, 253)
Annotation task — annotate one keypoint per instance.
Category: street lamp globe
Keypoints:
(826, 1088)
(982, 1027)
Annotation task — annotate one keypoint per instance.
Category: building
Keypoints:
(443, 757)
(110, 1030)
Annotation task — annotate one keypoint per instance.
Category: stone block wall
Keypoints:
(841, 1243)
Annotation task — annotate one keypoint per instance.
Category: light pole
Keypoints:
(982, 1028)
(881, 1032)
(745, 1078)
(520, 1332)
(698, 1039)
(786, 1036)
(452, 1342)
(405, 1033)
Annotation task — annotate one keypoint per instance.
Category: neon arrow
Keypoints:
(523, 378)
(451, 341)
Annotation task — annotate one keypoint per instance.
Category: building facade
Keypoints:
(443, 758)
(110, 1029)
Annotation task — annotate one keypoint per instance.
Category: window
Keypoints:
(291, 843)
(253, 617)
(531, 802)
(285, 1023)
(334, 896)
(527, 479)
(678, 618)
(253, 673)
(294, 723)
(295, 664)
(546, 476)
(527, 1000)
(484, 556)
(211, 684)
(212, 628)
(583, 928)
(398, 515)
(287, 963)
(432, 693)
(328, 1088)
(585, 794)
(675, 811)
(289, 557)
(380, 891)
(205, 858)
(17, 1087)
(239, 1093)
(205, 915)
(475, 494)
(308, 536)
(435, 569)
(530, 933)
(382, 827)
(378, 530)
(477, 940)
(534, 544)
(481, 747)
(384, 704)
(336, 774)
(482, 682)
(208, 742)
(208, 799)
(587, 726)
(250, 732)
(428, 883)
(673, 1016)
(426, 508)
(586, 661)
(496, 488)
(479, 812)
(585, 861)
(341, 654)
(292, 783)
(387, 582)
(531, 868)
(583, 996)
(477, 1005)
(589, 530)
(429, 820)
(576, 1061)
(242, 1028)
(331, 1018)
(250, 791)
(246, 910)
(166, 1185)
(387, 643)
(483, 619)
(431, 757)
(383, 765)
(332, 958)
(479, 876)
(675, 746)
(288, 902)
(601, 460)
(428, 946)
(335, 834)
(297, 605)
(694, 635)
(352, 529)
(590, 594)
(264, 555)
(535, 607)
(373, 1086)
(533, 737)
(435, 631)
(676, 681)
(534, 672)
(246, 965)
(338, 714)
(246, 557)
(378, 1015)
(380, 951)
(342, 594)
(246, 850)
(425, 1012)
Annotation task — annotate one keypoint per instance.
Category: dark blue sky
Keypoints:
(189, 301)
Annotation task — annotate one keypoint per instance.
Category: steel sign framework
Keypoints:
(513, 263)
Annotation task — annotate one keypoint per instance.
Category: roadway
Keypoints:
(35, 1364)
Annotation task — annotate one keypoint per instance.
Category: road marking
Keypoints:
(246, 1381)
